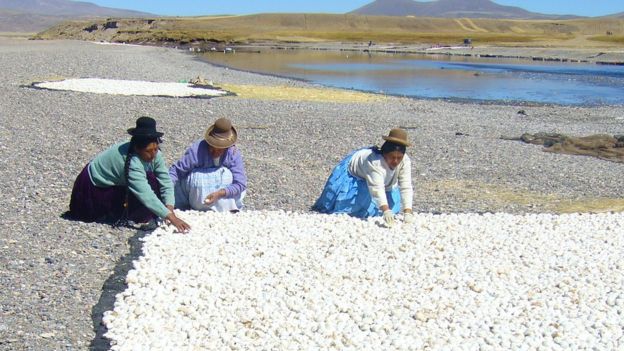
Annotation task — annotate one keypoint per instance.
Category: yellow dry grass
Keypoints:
(18, 35)
(263, 92)
(469, 25)
(499, 195)
(210, 17)
(357, 28)
(614, 39)
(474, 26)
(591, 205)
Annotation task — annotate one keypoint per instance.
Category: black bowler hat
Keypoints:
(145, 126)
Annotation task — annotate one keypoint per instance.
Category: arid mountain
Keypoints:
(37, 15)
(449, 9)
(65, 8)
(12, 21)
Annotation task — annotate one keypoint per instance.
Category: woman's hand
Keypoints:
(214, 197)
(408, 216)
(387, 215)
(180, 225)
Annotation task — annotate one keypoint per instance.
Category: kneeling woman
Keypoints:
(364, 184)
(129, 181)
(211, 174)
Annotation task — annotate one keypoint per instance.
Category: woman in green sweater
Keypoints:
(129, 181)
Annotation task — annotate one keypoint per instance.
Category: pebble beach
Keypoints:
(58, 277)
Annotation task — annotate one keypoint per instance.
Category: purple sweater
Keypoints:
(197, 156)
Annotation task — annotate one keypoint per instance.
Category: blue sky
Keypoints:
(212, 7)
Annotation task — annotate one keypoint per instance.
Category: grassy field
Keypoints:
(285, 93)
(612, 39)
(16, 35)
(498, 195)
(348, 28)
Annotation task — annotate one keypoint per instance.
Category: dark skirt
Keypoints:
(91, 203)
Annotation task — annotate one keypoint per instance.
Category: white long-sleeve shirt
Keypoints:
(372, 167)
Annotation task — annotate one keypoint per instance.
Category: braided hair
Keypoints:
(136, 142)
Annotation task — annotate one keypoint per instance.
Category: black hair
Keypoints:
(389, 146)
(139, 142)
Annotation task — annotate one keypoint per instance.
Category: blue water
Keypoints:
(445, 77)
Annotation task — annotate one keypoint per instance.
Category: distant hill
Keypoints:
(450, 9)
(213, 31)
(13, 21)
(37, 15)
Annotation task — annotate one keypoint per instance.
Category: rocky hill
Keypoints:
(37, 15)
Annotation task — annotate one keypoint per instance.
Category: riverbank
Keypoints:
(58, 276)
(595, 55)
(598, 40)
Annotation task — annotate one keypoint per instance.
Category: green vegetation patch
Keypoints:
(614, 39)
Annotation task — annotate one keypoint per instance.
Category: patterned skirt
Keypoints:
(190, 192)
(345, 193)
(90, 203)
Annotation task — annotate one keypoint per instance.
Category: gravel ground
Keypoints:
(57, 276)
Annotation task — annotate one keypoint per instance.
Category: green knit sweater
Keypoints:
(107, 169)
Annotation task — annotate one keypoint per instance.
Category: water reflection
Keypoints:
(440, 76)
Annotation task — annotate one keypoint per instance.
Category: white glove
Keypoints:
(408, 217)
(388, 218)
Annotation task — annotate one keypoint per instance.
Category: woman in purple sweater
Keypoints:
(211, 174)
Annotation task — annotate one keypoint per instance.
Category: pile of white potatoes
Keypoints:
(292, 281)
(130, 87)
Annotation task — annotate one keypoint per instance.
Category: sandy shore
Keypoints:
(58, 276)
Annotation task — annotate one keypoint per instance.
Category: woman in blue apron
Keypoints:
(372, 182)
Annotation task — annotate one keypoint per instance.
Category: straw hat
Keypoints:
(397, 136)
(221, 134)
(145, 127)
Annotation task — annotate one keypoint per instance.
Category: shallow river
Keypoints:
(440, 76)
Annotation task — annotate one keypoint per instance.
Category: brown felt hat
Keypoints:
(221, 134)
(397, 136)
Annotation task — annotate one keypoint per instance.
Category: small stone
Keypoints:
(473, 286)
(421, 316)
(611, 299)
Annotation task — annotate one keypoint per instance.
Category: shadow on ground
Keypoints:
(115, 284)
